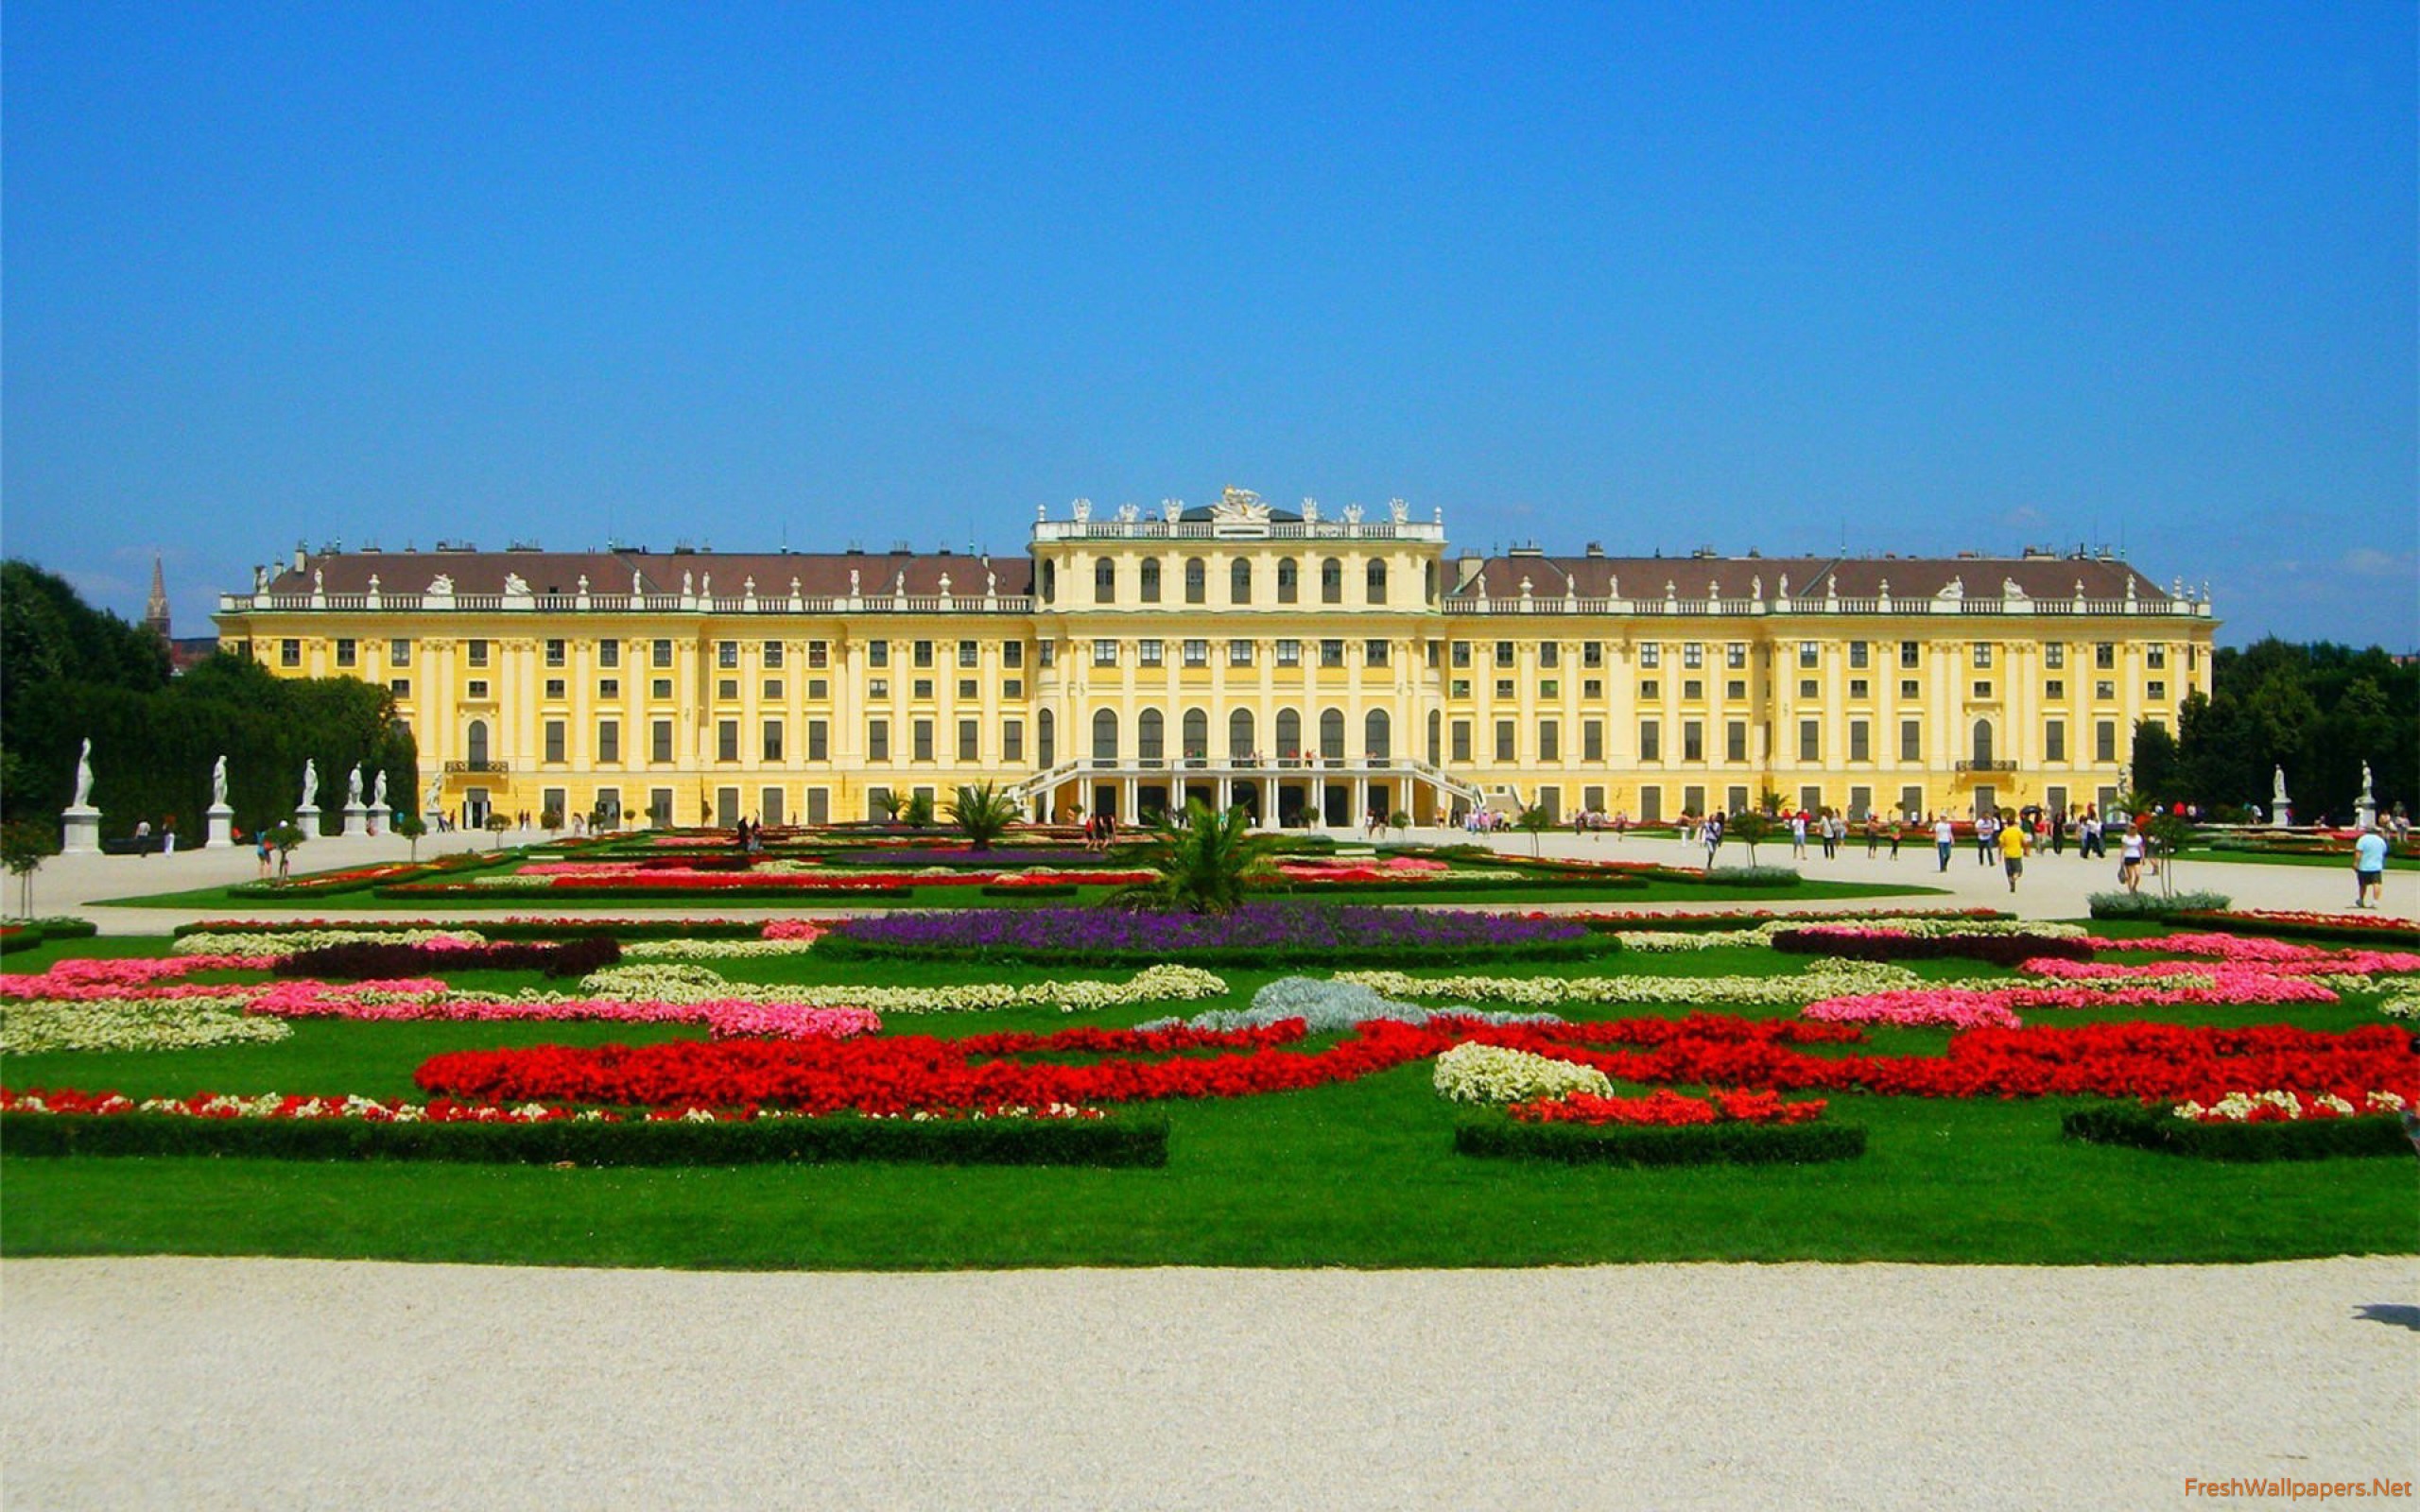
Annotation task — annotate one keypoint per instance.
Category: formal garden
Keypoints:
(1205, 1048)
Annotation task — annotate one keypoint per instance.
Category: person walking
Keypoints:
(2011, 843)
(261, 850)
(2369, 869)
(1987, 830)
(1798, 835)
(1898, 827)
(2130, 859)
(1945, 839)
(1713, 838)
(1873, 836)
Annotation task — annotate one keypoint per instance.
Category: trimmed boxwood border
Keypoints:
(441, 897)
(497, 929)
(838, 945)
(1411, 890)
(1121, 1139)
(1037, 889)
(2286, 929)
(1689, 1144)
(23, 935)
(2316, 1139)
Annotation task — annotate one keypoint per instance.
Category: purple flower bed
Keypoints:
(1256, 935)
(904, 859)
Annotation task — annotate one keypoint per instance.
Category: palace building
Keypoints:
(1311, 667)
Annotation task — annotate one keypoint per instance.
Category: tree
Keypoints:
(1749, 829)
(2170, 833)
(24, 847)
(282, 837)
(893, 804)
(1400, 820)
(498, 824)
(982, 814)
(919, 812)
(1202, 866)
(411, 827)
(2157, 769)
(1535, 822)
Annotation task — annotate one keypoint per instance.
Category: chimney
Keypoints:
(1467, 568)
(300, 558)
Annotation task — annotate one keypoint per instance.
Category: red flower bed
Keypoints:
(1666, 1108)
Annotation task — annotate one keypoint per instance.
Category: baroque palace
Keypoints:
(1311, 667)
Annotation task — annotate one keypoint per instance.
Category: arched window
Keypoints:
(1046, 739)
(1331, 581)
(1197, 734)
(1240, 582)
(1151, 736)
(1150, 579)
(1376, 577)
(1435, 738)
(474, 744)
(1240, 734)
(1104, 581)
(1105, 737)
(1430, 581)
(1982, 742)
(1049, 582)
(1289, 580)
(1332, 735)
(1374, 734)
(1289, 733)
(1197, 580)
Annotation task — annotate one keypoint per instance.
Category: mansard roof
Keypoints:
(818, 574)
(1762, 577)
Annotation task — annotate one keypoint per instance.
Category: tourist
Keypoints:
(1798, 835)
(1945, 839)
(2130, 859)
(2011, 841)
(1898, 828)
(1832, 831)
(2369, 869)
(2059, 833)
(1987, 834)
(168, 835)
(261, 851)
(1713, 832)
(143, 837)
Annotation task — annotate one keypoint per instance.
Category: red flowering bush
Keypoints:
(1666, 1108)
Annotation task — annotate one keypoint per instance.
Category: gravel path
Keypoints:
(192, 1383)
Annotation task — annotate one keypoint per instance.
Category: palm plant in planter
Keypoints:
(982, 814)
(1203, 865)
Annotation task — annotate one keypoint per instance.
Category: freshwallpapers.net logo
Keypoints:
(2286, 1489)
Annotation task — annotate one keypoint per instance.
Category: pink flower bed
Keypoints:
(807, 929)
(73, 980)
(425, 998)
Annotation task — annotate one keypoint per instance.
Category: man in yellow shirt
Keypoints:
(2011, 843)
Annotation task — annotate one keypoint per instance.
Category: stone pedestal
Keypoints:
(356, 819)
(307, 820)
(2281, 816)
(381, 820)
(222, 825)
(82, 831)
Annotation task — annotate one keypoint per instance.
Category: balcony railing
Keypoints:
(481, 766)
(1987, 766)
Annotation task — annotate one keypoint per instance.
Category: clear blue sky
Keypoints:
(1912, 278)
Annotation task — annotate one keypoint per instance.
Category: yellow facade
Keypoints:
(1302, 666)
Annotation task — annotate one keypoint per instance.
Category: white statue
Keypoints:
(990, 583)
(218, 783)
(428, 800)
(515, 586)
(378, 792)
(1398, 511)
(84, 776)
(310, 783)
(442, 585)
(853, 583)
(2367, 796)
(353, 787)
(2278, 786)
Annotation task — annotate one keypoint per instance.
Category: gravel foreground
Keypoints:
(195, 1382)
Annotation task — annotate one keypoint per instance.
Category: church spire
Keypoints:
(155, 609)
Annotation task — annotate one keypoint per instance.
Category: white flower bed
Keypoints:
(154, 1023)
(712, 950)
(2405, 1006)
(1490, 1073)
(2239, 1108)
(1824, 978)
(286, 943)
(698, 984)
(1677, 941)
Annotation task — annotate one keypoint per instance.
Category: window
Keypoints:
(877, 687)
(1147, 653)
(1503, 653)
(1592, 740)
(920, 734)
(1735, 654)
(1504, 687)
(2104, 655)
(475, 653)
(1332, 581)
(2156, 657)
(1105, 737)
(1911, 656)
(1374, 581)
(877, 740)
(1197, 653)
(1047, 653)
(1011, 653)
(1104, 581)
(1374, 654)
(1461, 746)
(818, 656)
(399, 654)
(348, 651)
(920, 653)
(2054, 740)
(922, 688)
(555, 689)
(1049, 582)
(660, 688)
(769, 655)
(1858, 652)
(1735, 739)
(1013, 740)
(1197, 734)
(1289, 733)
(659, 741)
(1331, 653)
(1693, 688)
(727, 688)
(1504, 740)
(2104, 690)
(555, 740)
(1197, 580)
(1552, 687)
(400, 687)
(1592, 687)
(1592, 654)
(1982, 689)
(1982, 652)
(1650, 654)
(1151, 736)
(1289, 653)
(1693, 740)
(726, 653)
(1809, 688)
(1912, 740)
(1150, 579)
(877, 653)
(2055, 688)
(1650, 740)
(1238, 653)
(1104, 653)
(1549, 740)
(819, 740)
(1810, 740)
(1240, 582)
(818, 688)
(1810, 654)
(1460, 654)
(1288, 580)
(2104, 740)
(660, 654)
(2055, 655)
(1860, 741)
(554, 653)
(1860, 688)
(2155, 690)
(1650, 688)
(477, 689)
(1461, 688)
(773, 689)
(1910, 687)
(970, 739)
(726, 740)
(1735, 688)
(1692, 654)
(1240, 734)
(1046, 738)
(970, 653)
(772, 733)
(969, 688)
(1550, 653)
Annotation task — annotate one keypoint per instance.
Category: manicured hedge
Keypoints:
(357, 962)
(1411, 890)
(2311, 1139)
(2152, 906)
(25, 934)
(1037, 889)
(1121, 1139)
(1775, 877)
(1999, 950)
(500, 929)
(2290, 929)
(443, 895)
(1690, 1144)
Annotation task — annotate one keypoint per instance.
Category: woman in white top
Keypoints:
(2130, 859)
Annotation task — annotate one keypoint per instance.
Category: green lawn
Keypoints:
(2340, 861)
(1358, 1175)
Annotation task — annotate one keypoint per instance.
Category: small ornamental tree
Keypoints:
(282, 837)
(1203, 865)
(1533, 822)
(1749, 828)
(2169, 834)
(411, 827)
(982, 814)
(1401, 820)
(498, 824)
(919, 812)
(24, 847)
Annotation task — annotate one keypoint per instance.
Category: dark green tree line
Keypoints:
(2319, 710)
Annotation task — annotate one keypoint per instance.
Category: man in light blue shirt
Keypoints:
(2369, 869)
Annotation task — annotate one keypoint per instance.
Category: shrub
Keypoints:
(1695, 1145)
(1037, 889)
(1474, 1072)
(2156, 1129)
(1743, 877)
(2153, 905)
(577, 957)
